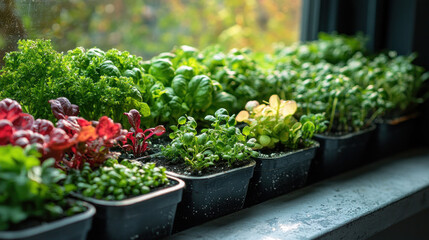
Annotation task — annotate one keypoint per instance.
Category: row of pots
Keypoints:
(212, 196)
(199, 199)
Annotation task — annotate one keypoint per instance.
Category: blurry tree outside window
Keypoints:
(149, 27)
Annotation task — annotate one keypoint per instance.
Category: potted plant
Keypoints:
(101, 83)
(187, 89)
(33, 204)
(350, 110)
(402, 83)
(69, 139)
(215, 164)
(284, 145)
(136, 142)
(133, 200)
(120, 192)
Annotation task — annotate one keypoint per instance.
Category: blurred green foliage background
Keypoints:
(149, 27)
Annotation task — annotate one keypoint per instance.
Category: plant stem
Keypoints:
(331, 120)
(373, 116)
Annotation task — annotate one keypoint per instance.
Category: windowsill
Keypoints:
(355, 205)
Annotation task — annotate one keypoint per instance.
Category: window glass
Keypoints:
(149, 27)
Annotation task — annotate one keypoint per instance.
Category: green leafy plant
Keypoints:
(101, 83)
(118, 181)
(239, 75)
(274, 123)
(332, 48)
(29, 190)
(36, 70)
(402, 81)
(188, 88)
(189, 95)
(105, 83)
(348, 107)
(222, 143)
(400, 84)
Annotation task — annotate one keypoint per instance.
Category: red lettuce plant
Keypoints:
(73, 142)
(62, 108)
(94, 138)
(136, 138)
(20, 129)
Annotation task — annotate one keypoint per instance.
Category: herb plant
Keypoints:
(37, 70)
(239, 76)
(74, 140)
(189, 95)
(222, 143)
(107, 82)
(402, 81)
(273, 123)
(348, 107)
(136, 138)
(118, 181)
(331, 48)
(91, 142)
(188, 87)
(29, 190)
(20, 129)
(101, 83)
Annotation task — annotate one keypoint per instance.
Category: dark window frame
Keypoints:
(400, 25)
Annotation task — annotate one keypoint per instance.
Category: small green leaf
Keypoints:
(182, 120)
(210, 118)
(246, 131)
(188, 138)
(264, 140)
(221, 112)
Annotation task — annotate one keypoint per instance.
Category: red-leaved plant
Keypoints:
(95, 138)
(136, 138)
(73, 142)
(20, 129)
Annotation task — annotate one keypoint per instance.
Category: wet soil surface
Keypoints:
(182, 168)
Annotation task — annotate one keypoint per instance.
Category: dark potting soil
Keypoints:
(154, 147)
(279, 150)
(36, 221)
(158, 142)
(335, 133)
(29, 223)
(183, 169)
(170, 184)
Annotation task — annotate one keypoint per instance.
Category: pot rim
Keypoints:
(46, 227)
(314, 146)
(211, 176)
(399, 120)
(136, 199)
(347, 135)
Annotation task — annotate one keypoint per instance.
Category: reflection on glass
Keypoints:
(149, 27)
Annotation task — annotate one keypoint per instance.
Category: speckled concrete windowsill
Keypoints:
(355, 205)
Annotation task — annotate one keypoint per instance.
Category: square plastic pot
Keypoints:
(69, 228)
(149, 216)
(338, 154)
(423, 124)
(279, 175)
(212, 196)
(394, 136)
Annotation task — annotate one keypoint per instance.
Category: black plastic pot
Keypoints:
(423, 125)
(148, 216)
(279, 175)
(209, 197)
(338, 154)
(69, 228)
(394, 136)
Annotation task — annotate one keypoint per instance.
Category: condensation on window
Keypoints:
(149, 27)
